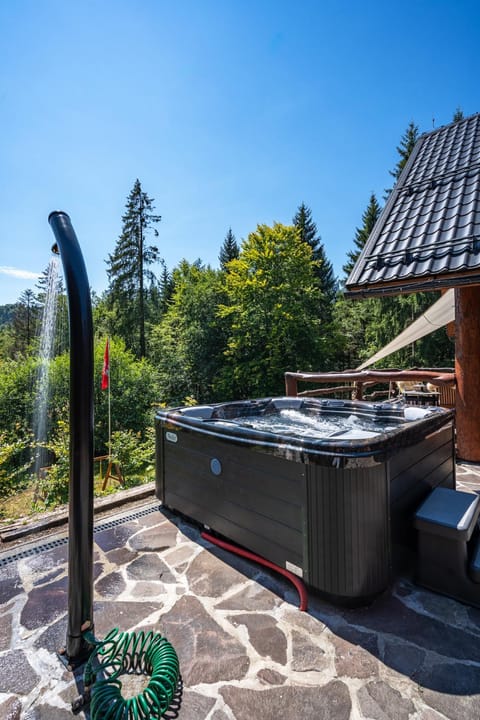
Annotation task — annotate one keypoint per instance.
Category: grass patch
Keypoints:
(17, 506)
(22, 503)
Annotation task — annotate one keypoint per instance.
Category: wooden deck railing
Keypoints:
(355, 381)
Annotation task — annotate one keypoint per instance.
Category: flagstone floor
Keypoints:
(246, 652)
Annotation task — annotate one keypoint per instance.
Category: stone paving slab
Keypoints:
(246, 652)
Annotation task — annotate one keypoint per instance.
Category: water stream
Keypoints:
(47, 338)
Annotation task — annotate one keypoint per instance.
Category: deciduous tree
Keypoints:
(189, 341)
(272, 306)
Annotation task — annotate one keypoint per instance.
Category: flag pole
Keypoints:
(106, 386)
(109, 416)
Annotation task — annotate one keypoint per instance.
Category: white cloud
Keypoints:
(18, 273)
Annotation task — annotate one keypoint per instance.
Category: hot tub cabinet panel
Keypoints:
(330, 510)
(254, 499)
(348, 531)
(414, 473)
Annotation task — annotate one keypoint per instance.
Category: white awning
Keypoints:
(438, 315)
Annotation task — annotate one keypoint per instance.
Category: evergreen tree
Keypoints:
(6, 314)
(404, 149)
(323, 270)
(308, 230)
(167, 286)
(229, 250)
(25, 320)
(369, 218)
(458, 115)
(128, 269)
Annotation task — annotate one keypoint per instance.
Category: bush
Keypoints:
(52, 484)
(136, 456)
(15, 463)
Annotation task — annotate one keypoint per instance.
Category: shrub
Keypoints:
(136, 456)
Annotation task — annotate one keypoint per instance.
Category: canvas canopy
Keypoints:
(439, 314)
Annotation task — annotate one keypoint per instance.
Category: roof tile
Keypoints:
(428, 234)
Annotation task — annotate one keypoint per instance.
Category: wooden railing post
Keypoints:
(291, 384)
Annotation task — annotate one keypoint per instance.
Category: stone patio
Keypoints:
(246, 652)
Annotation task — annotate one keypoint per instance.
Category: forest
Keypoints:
(193, 334)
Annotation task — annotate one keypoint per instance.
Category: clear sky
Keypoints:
(231, 113)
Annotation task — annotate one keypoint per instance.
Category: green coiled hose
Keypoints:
(130, 653)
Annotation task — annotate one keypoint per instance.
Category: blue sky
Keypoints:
(229, 113)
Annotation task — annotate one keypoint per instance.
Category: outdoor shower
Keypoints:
(119, 653)
(80, 545)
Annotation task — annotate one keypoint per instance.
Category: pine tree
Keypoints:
(404, 149)
(229, 250)
(458, 115)
(128, 271)
(167, 287)
(25, 319)
(323, 271)
(369, 218)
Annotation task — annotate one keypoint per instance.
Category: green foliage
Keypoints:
(15, 464)
(53, 482)
(369, 218)
(167, 286)
(136, 454)
(6, 314)
(458, 115)
(351, 319)
(188, 343)
(272, 306)
(368, 325)
(7, 342)
(390, 316)
(134, 393)
(17, 394)
(404, 149)
(25, 321)
(229, 250)
(323, 268)
(128, 271)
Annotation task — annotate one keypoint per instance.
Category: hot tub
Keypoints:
(324, 488)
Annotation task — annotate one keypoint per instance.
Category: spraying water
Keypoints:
(47, 338)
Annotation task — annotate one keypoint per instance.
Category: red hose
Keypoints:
(262, 561)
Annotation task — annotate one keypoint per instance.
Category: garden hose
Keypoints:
(302, 592)
(123, 653)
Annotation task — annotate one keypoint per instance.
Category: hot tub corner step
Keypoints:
(448, 513)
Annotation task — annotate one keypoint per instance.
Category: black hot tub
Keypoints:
(324, 488)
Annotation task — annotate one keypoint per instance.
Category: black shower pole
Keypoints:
(80, 543)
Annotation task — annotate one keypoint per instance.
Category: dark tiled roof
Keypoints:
(428, 235)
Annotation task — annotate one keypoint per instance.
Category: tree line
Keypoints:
(197, 333)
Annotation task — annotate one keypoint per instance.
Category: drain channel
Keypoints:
(49, 545)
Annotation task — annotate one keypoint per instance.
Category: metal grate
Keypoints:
(43, 547)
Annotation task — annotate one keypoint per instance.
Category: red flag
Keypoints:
(106, 368)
